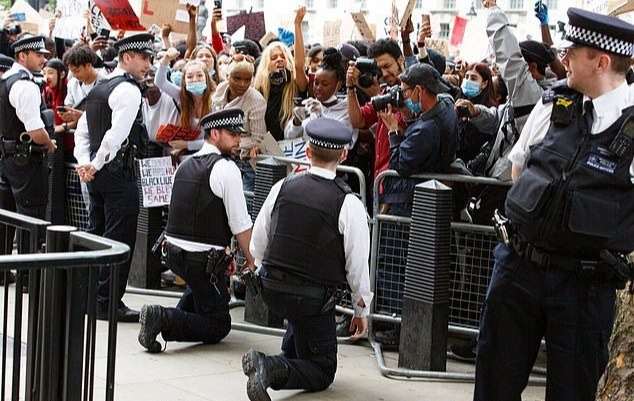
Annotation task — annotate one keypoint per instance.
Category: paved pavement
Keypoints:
(213, 372)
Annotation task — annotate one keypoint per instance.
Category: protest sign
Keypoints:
(71, 22)
(407, 13)
(264, 41)
(332, 33)
(457, 34)
(120, 15)
(617, 7)
(295, 149)
(157, 177)
(362, 26)
(253, 23)
(97, 18)
(440, 45)
(161, 12)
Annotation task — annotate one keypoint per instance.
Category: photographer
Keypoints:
(388, 64)
(8, 35)
(210, 183)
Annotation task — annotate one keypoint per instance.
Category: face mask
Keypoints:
(415, 107)
(470, 89)
(176, 78)
(212, 72)
(280, 77)
(196, 88)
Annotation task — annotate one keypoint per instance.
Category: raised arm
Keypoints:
(192, 38)
(300, 56)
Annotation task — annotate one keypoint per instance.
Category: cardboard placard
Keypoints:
(457, 33)
(616, 7)
(71, 22)
(161, 12)
(97, 18)
(253, 22)
(295, 149)
(264, 41)
(362, 26)
(441, 45)
(171, 132)
(120, 15)
(332, 33)
(157, 177)
(407, 13)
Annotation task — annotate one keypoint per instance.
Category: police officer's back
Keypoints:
(571, 219)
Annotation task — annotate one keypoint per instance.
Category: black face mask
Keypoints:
(280, 77)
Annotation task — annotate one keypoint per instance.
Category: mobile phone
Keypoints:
(463, 111)
(217, 3)
(93, 35)
(61, 109)
(19, 17)
(104, 32)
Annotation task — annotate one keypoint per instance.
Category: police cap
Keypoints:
(140, 43)
(34, 43)
(230, 119)
(328, 133)
(599, 31)
(5, 63)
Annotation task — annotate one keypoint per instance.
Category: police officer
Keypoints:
(310, 235)
(24, 136)
(571, 219)
(206, 209)
(103, 149)
(5, 64)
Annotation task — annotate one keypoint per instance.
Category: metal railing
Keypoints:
(61, 322)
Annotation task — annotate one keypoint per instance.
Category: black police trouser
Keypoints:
(202, 314)
(310, 343)
(23, 189)
(526, 303)
(114, 210)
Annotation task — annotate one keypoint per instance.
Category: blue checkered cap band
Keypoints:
(599, 40)
(224, 122)
(324, 144)
(138, 45)
(32, 45)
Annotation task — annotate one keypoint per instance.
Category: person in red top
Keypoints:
(390, 61)
(54, 94)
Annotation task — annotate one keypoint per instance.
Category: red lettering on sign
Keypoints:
(147, 11)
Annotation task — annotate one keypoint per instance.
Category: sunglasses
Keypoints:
(238, 57)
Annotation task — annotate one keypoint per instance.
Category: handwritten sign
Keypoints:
(407, 13)
(253, 22)
(441, 45)
(617, 7)
(97, 18)
(157, 177)
(120, 15)
(266, 39)
(72, 21)
(160, 12)
(295, 149)
(362, 26)
(332, 33)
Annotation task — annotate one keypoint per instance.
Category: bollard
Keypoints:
(267, 173)
(57, 196)
(425, 318)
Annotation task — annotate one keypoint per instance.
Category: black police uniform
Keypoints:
(23, 166)
(197, 233)
(303, 259)
(114, 193)
(573, 202)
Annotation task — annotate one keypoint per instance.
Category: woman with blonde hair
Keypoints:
(280, 77)
(194, 96)
(238, 92)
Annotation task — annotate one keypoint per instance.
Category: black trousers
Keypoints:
(526, 303)
(114, 210)
(202, 314)
(23, 189)
(310, 343)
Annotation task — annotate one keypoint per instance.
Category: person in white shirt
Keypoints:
(207, 208)
(310, 236)
(104, 150)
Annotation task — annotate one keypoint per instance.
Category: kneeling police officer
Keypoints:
(206, 209)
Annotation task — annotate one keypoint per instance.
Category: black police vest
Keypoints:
(304, 238)
(99, 113)
(10, 125)
(196, 213)
(575, 196)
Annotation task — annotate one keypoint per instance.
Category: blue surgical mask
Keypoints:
(415, 107)
(212, 72)
(176, 78)
(470, 89)
(196, 88)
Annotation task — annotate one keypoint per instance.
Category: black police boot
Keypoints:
(464, 352)
(263, 373)
(154, 319)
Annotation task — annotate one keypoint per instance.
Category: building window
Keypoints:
(444, 31)
(260, 3)
(310, 4)
(304, 27)
(419, 4)
(552, 4)
(334, 3)
(449, 4)
(240, 4)
(516, 4)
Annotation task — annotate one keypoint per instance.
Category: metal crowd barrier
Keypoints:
(61, 319)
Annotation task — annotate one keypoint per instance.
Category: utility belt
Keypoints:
(215, 261)
(123, 162)
(278, 281)
(23, 150)
(608, 267)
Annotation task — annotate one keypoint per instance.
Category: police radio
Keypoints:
(623, 141)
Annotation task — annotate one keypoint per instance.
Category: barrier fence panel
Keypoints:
(61, 322)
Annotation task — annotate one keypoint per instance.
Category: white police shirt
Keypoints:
(26, 98)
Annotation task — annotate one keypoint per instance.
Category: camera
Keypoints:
(393, 96)
(369, 70)
(478, 164)
(104, 32)
(14, 29)
(463, 111)
(217, 3)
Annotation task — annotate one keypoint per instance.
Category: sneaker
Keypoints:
(464, 352)
(168, 276)
(153, 319)
(389, 339)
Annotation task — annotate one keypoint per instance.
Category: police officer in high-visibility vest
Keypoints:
(25, 125)
(104, 151)
(570, 223)
(310, 235)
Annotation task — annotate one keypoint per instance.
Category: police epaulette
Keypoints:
(556, 88)
(23, 75)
